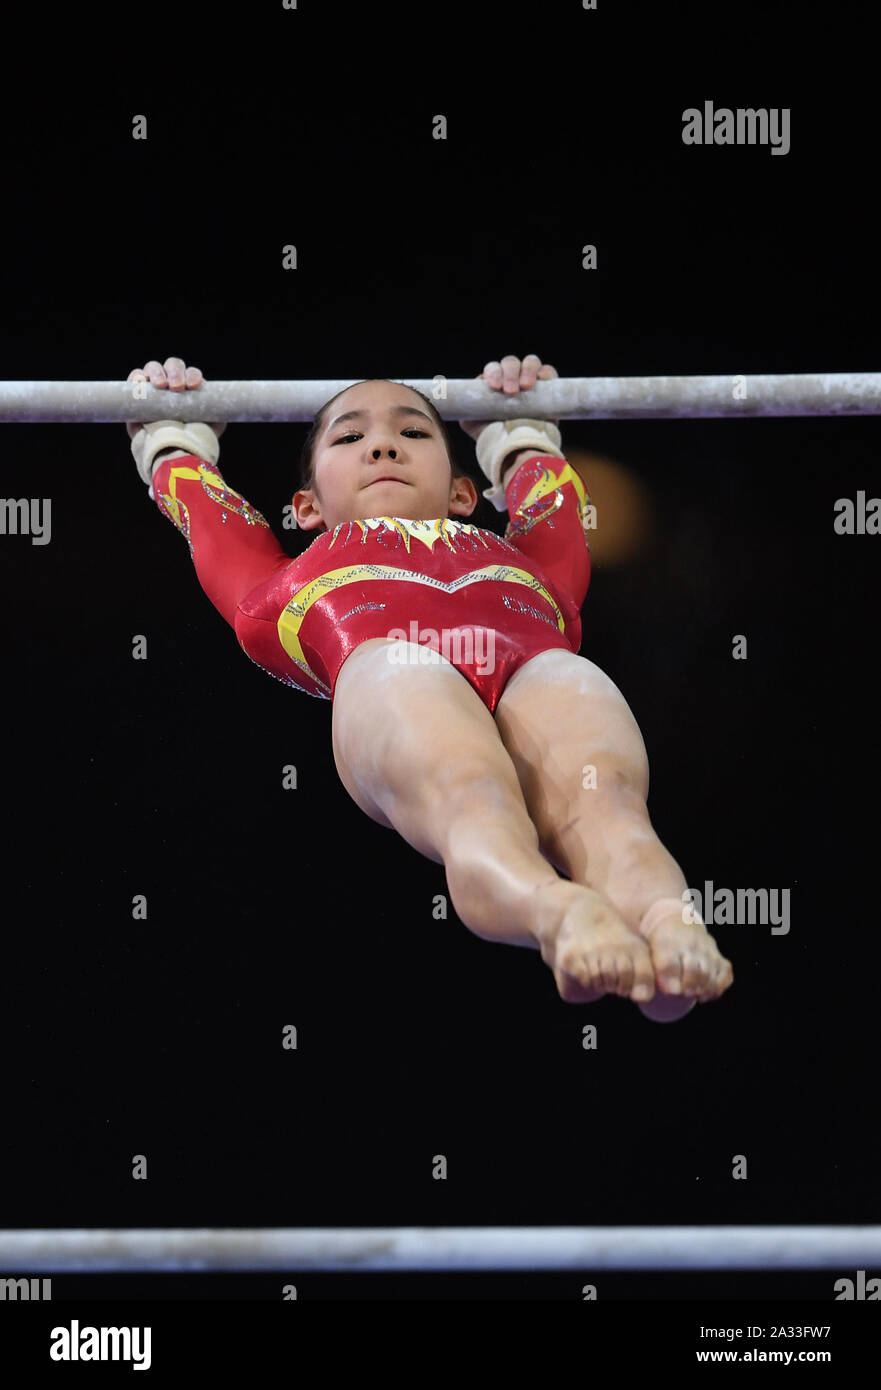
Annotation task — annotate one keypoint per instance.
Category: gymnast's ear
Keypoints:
(307, 516)
(463, 496)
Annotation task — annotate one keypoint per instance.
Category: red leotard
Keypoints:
(486, 603)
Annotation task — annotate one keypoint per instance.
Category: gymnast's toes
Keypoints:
(592, 951)
(687, 962)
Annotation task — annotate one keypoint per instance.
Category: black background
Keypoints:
(163, 777)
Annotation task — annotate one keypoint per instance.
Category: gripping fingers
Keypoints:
(511, 375)
(180, 376)
(174, 374)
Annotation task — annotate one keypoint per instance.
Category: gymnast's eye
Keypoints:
(423, 434)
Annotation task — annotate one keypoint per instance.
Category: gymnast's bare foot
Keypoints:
(688, 965)
(589, 947)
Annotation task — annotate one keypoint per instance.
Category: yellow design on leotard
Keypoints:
(440, 528)
(291, 618)
(218, 490)
(548, 487)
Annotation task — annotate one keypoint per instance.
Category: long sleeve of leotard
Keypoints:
(231, 544)
(549, 506)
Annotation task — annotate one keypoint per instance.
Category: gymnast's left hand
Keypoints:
(510, 376)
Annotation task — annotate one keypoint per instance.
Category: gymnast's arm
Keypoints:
(548, 505)
(231, 544)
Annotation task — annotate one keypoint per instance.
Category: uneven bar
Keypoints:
(439, 1248)
(566, 398)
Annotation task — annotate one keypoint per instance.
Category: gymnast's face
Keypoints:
(389, 459)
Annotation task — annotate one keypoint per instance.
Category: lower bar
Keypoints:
(437, 1248)
(566, 398)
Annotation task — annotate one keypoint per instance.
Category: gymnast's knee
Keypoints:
(614, 803)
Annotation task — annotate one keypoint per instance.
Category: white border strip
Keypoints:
(436, 1248)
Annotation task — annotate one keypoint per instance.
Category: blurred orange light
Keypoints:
(624, 519)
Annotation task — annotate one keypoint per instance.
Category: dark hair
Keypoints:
(306, 478)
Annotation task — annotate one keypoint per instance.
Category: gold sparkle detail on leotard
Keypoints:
(440, 528)
(292, 615)
(217, 490)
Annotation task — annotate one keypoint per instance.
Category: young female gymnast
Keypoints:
(462, 716)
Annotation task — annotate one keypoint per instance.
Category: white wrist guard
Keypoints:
(195, 439)
(504, 437)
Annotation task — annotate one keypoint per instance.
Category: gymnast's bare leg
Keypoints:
(419, 752)
(561, 717)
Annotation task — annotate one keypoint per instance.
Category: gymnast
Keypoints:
(525, 775)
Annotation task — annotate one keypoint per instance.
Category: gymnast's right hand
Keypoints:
(177, 376)
(152, 439)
